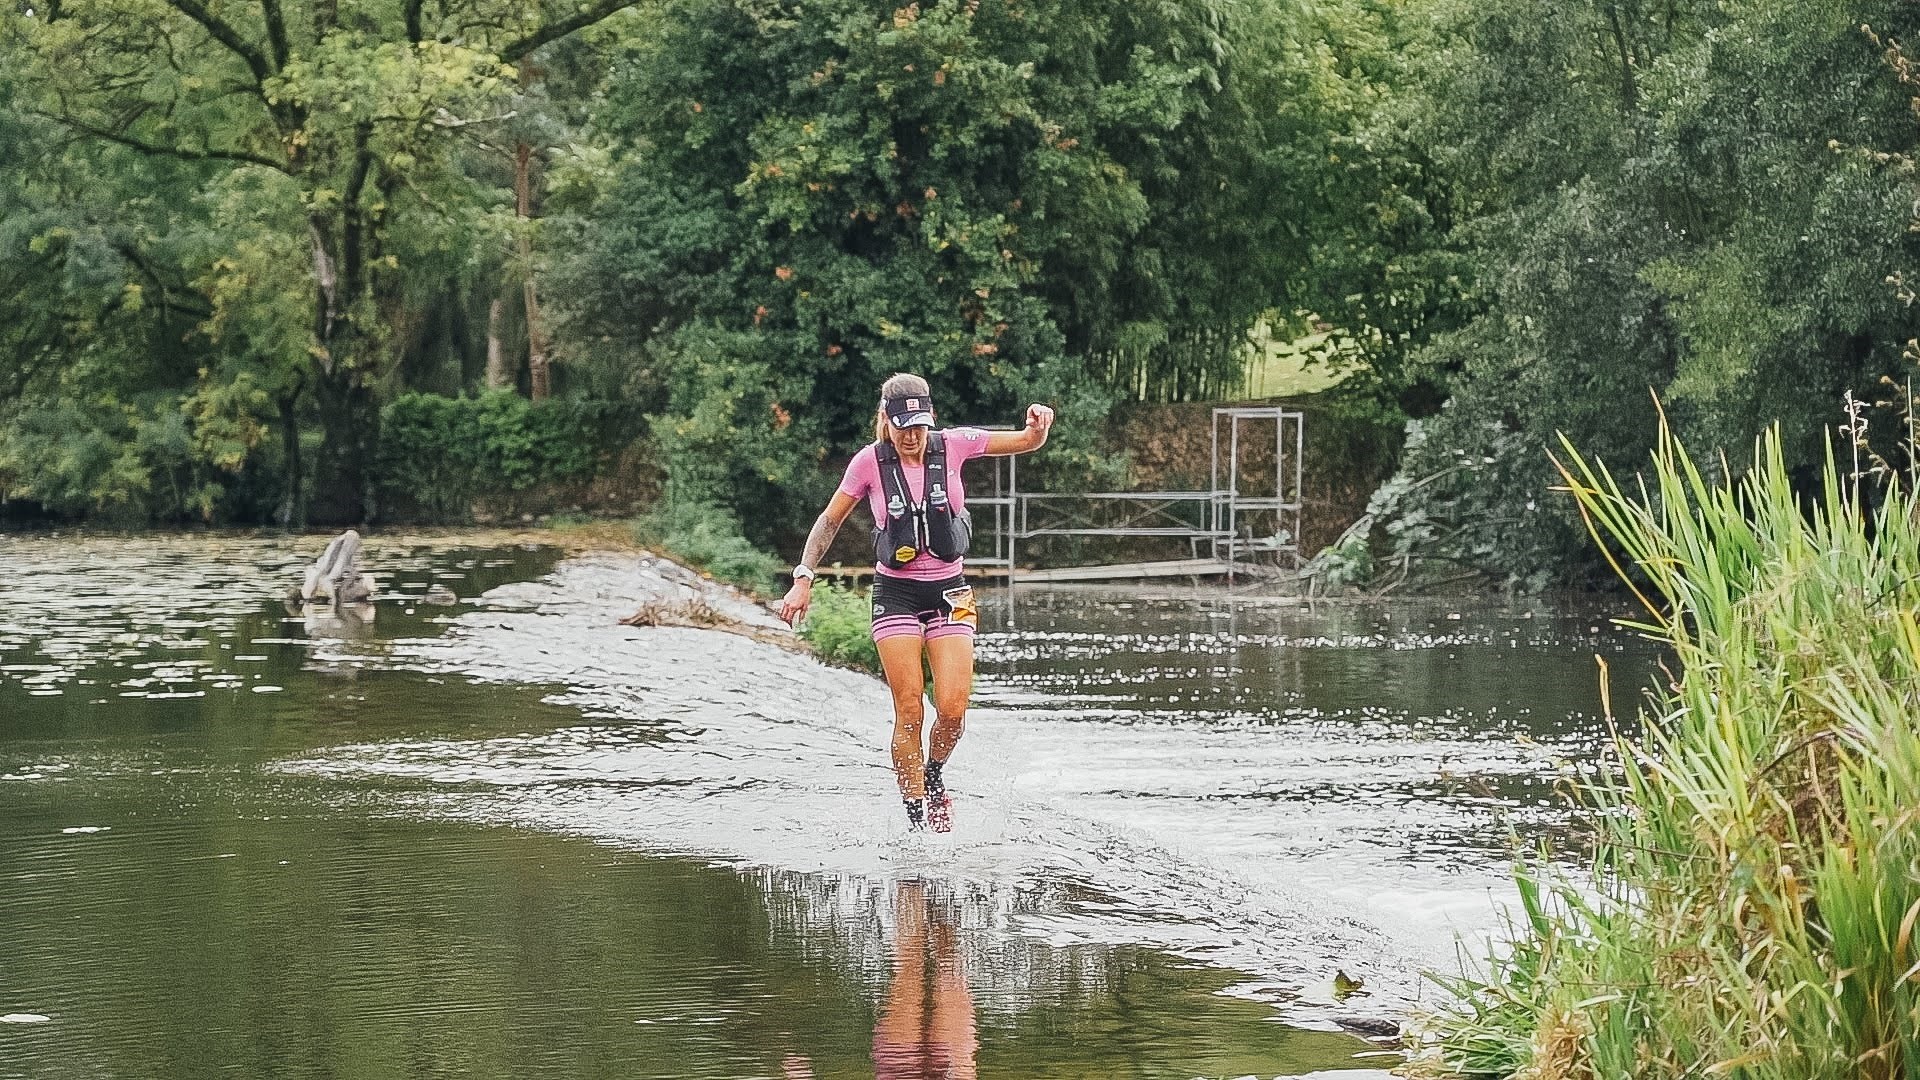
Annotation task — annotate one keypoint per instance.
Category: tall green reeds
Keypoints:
(1752, 911)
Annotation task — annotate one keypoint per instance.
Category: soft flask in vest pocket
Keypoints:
(910, 528)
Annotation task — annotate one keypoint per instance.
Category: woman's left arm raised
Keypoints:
(1039, 419)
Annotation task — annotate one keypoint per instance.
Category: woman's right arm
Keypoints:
(793, 607)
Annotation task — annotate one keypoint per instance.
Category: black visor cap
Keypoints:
(910, 411)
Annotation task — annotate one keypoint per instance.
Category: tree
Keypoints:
(94, 309)
(323, 133)
(994, 193)
(1687, 199)
(1385, 271)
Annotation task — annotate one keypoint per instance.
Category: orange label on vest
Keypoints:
(903, 554)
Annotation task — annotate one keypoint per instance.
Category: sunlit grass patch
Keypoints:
(708, 539)
(1288, 366)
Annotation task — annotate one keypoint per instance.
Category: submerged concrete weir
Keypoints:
(709, 744)
(195, 745)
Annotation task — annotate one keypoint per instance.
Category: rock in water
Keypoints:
(1371, 1027)
(1344, 985)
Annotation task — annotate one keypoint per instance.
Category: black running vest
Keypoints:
(910, 528)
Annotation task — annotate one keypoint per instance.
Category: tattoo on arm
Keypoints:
(819, 539)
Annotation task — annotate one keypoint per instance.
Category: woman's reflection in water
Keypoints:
(926, 1026)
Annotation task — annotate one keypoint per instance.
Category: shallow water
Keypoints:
(1383, 760)
(509, 837)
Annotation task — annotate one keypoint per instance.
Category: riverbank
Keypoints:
(1750, 905)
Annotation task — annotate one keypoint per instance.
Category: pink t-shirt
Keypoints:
(863, 482)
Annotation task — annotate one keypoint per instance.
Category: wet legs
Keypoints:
(951, 659)
(900, 660)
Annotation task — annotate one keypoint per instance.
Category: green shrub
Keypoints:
(438, 454)
(839, 626)
(708, 538)
(159, 458)
(1754, 898)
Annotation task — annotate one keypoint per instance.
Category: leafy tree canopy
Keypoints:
(1002, 195)
(268, 195)
(1691, 199)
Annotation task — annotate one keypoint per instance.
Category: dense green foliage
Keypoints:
(1754, 902)
(839, 626)
(1003, 197)
(1690, 198)
(708, 538)
(231, 235)
(232, 241)
(252, 232)
(439, 454)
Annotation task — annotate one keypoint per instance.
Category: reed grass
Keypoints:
(1752, 906)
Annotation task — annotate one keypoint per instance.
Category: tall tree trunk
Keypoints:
(498, 373)
(350, 431)
(1629, 93)
(342, 491)
(350, 421)
(539, 381)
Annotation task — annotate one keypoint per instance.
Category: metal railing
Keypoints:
(1223, 515)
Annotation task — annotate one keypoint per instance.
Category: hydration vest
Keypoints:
(910, 528)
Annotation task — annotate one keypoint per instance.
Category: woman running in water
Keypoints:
(910, 479)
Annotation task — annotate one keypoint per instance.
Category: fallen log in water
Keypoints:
(697, 612)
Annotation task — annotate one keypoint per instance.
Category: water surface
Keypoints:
(508, 837)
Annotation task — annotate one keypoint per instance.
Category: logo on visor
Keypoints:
(913, 403)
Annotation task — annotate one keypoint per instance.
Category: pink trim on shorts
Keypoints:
(941, 628)
(892, 626)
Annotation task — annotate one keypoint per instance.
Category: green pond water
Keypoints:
(236, 841)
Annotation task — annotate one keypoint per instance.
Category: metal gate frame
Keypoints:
(1223, 502)
(1288, 499)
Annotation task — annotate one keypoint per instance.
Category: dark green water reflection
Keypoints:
(316, 946)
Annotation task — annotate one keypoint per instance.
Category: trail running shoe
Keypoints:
(916, 815)
(939, 803)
